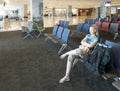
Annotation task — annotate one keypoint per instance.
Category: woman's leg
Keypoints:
(69, 65)
(72, 52)
(68, 69)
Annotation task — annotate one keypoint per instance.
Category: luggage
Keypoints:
(98, 59)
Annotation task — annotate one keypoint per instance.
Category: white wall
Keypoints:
(18, 7)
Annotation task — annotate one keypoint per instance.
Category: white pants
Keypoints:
(73, 54)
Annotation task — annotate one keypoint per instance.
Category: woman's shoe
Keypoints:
(64, 79)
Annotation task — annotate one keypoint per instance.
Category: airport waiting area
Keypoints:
(36, 52)
(32, 62)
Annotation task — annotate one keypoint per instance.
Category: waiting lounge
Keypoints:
(35, 33)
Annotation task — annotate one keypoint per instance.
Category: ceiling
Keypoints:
(65, 3)
(77, 3)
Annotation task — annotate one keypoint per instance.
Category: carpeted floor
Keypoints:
(34, 65)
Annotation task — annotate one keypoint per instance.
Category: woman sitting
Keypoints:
(88, 42)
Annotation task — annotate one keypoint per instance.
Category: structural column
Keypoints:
(53, 11)
(36, 8)
(105, 11)
(25, 11)
(69, 11)
(102, 11)
(97, 12)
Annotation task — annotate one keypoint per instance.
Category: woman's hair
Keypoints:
(95, 29)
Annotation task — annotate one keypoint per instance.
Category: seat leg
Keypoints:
(62, 48)
(31, 36)
(39, 35)
(27, 36)
(74, 62)
(115, 36)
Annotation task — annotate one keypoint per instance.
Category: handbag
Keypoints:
(84, 50)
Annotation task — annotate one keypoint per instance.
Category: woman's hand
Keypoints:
(85, 44)
(89, 45)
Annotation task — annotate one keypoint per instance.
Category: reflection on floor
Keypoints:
(49, 21)
(12, 26)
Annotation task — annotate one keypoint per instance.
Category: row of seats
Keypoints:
(112, 20)
(115, 53)
(91, 21)
(81, 30)
(108, 27)
(83, 27)
(63, 23)
(30, 27)
(61, 35)
(64, 33)
(115, 56)
(39, 27)
(111, 27)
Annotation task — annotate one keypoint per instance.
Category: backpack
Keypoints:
(98, 59)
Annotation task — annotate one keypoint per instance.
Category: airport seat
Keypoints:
(56, 34)
(66, 24)
(85, 28)
(114, 19)
(28, 29)
(95, 20)
(61, 22)
(65, 39)
(78, 31)
(79, 27)
(102, 19)
(60, 36)
(59, 32)
(104, 27)
(91, 21)
(53, 35)
(115, 53)
(39, 28)
(86, 21)
(54, 31)
(82, 30)
(98, 23)
(114, 29)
